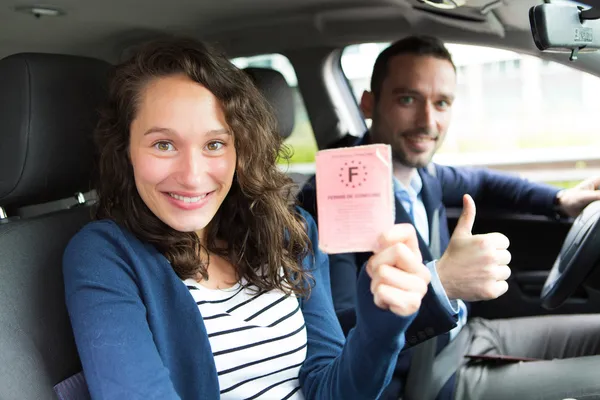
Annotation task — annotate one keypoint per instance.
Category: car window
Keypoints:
(302, 140)
(512, 112)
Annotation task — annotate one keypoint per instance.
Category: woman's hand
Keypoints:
(398, 277)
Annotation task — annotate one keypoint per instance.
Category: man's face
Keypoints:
(412, 113)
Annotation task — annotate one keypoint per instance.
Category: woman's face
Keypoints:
(182, 152)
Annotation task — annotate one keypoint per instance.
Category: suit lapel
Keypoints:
(402, 217)
(431, 194)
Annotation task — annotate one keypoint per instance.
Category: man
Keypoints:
(412, 91)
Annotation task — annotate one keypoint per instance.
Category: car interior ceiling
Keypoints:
(108, 29)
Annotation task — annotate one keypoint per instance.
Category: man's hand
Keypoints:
(398, 277)
(474, 267)
(573, 201)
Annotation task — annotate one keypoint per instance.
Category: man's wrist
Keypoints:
(557, 205)
(439, 268)
(439, 289)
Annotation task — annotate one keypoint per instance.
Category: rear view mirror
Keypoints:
(565, 28)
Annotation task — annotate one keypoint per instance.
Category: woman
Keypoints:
(200, 279)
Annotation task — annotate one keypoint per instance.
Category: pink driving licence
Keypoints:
(355, 197)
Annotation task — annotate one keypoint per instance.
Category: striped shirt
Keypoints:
(258, 340)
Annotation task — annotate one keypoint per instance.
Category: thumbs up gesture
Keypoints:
(474, 267)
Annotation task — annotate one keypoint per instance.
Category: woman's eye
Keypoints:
(163, 146)
(214, 146)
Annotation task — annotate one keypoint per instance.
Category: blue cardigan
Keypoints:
(140, 335)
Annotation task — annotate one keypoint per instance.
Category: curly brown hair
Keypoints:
(263, 232)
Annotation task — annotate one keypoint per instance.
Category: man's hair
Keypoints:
(414, 45)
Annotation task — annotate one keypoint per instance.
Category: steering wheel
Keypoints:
(579, 254)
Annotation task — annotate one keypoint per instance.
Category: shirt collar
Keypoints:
(414, 188)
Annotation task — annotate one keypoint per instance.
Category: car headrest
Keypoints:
(278, 93)
(48, 109)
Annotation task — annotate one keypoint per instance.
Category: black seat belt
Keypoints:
(429, 373)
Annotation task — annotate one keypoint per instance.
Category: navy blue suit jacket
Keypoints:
(443, 189)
